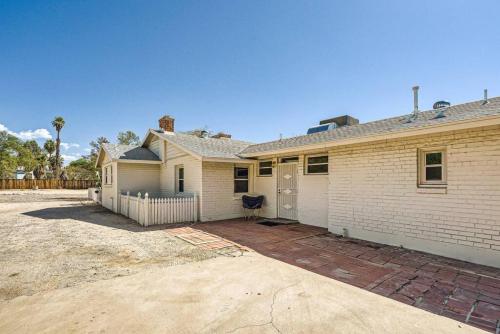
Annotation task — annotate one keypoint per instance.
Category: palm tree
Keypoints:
(39, 170)
(50, 147)
(58, 124)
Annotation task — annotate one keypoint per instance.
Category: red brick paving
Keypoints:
(460, 290)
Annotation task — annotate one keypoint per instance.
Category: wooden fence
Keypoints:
(46, 184)
(152, 211)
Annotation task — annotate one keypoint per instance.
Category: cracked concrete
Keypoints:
(246, 294)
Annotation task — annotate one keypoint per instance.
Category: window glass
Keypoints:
(240, 173)
(434, 173)
(264, 164)
(433, 158)
(108, 176)
(318, 160)
(265, 168)
(317, 165)
(240, 186)
(317, 169)
(180, 179)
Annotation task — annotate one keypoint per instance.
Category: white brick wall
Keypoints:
(218, 198)
(374, 195)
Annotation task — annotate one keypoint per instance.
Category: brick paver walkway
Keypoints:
(463, 291)
(202, 239)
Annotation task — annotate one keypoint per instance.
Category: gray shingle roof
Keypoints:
(129, 152)
(222, 148)
(460, 112)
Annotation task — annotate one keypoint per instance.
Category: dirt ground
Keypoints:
(51, 239)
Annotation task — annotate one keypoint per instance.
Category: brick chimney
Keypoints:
(166, 123)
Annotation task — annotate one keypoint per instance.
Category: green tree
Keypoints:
(128, 138)
(96, 145)
(28, 154)
(50, 147)
(15, 153)
(33, 147)
(9, 156)
(58, 123)
(81, 169)
(41, 166)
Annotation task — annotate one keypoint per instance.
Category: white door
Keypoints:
(287, 191)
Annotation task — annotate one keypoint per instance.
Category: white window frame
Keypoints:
(422, 167)
(241, 179)
(258, 168)
(178, 179)
(307, 164)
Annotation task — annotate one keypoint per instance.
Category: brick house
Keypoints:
(429, 180)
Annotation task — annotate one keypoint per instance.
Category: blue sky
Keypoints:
(251, 68)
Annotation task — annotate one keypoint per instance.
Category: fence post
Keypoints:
(146, 209)
(195, 198)
(138, 208)
(128, 203)
(119, 203)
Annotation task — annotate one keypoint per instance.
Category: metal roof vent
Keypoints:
(485, 99)
(441, 104)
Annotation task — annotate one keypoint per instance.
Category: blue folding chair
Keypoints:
(253, 203)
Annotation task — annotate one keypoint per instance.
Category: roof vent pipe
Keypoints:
(485, 99)
(415, 99)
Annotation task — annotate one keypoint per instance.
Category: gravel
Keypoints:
(56, 239)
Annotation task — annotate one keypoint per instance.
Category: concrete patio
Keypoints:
(459, 290)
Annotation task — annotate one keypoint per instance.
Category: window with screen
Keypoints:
(240, 179)
(317, 164)
(265, 168)
(180, 179)
(108, 175)
(432, 167)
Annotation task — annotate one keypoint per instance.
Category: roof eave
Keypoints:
(132, 161)
(451, 126)
(146, 136)
(98, 159)
(230, 160)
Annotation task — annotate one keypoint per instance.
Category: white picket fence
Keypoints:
(153, 211)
